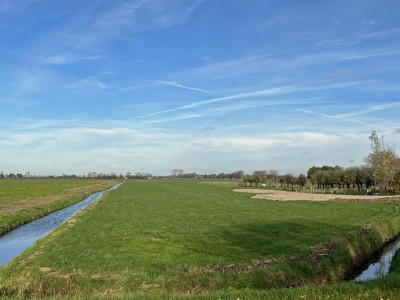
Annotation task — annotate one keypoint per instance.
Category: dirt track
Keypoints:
(293, 196)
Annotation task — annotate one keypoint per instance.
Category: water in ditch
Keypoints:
(381, 266)
(17, 240)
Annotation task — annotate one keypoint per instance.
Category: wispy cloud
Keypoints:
(367, 110)
(59, 59)
(268, 65)
(13, 7)
(90, 83)
(166, 14)
(146, 14)
(28, 80)
(290, 75)
(366, 56)
(267, 92)
(178, 85)
(308, 111)
(349, 117)
(135, 87)
(55, 59)
(371, 22)
(357, 38)
(20, 102)
(94, 25)
(242, 66)
(137, 16)
(326, 58)
(216, 111)
(260, 93)
(338, 85)
(381, 34)
(248, 104)
(173, 119)
(162, 82)
(300, 139)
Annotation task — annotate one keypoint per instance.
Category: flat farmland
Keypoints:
(191, 239)
(27, 199)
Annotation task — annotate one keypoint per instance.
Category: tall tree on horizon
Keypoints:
(382, 161)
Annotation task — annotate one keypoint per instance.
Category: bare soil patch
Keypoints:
(299, 196)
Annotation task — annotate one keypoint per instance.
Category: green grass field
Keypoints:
(190, 239)
(24, 200)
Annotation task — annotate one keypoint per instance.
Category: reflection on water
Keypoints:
(380, 267)
(21, 238)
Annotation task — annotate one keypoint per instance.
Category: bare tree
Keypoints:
(382, 161)
(274, 175)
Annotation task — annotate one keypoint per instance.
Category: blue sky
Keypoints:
(203, 85)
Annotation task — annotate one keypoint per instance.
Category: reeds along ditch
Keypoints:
(339, 259)
(342, 258)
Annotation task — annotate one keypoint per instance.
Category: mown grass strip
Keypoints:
(181, 239)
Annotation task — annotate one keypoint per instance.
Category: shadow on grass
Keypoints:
(280, 239)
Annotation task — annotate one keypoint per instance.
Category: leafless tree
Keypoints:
(382, 161)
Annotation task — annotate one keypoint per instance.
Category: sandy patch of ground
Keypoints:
(293, 196)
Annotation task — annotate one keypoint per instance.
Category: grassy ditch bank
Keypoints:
(22, 201)
(185, 240)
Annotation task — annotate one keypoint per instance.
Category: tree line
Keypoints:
(90, 175)
(380, 173)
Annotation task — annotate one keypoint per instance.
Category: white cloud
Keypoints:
(83, 149)
(263, 142)
(122, 149)
(129, 149)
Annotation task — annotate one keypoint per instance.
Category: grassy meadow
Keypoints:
(183, 239)
(24, 200)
